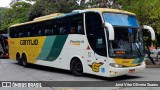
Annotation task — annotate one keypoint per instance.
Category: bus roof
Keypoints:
(55, 15)
(110, 10)
(51, 16)
(42, 18)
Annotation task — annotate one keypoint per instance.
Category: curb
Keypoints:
(152, 66)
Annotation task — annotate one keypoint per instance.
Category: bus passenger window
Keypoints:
(20, 34)
(39, 33)
(55, 30)
(24, 34)
(62, 30)
(80, 28)
(73, 30)
(76, 24)
(28, 34)
(15, 33)
(48, 32)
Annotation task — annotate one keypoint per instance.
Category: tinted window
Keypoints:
(59, 26)
(76, 24)
(95, 33)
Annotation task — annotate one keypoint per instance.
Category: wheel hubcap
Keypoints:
(78, 67)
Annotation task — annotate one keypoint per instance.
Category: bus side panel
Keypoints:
(45, 52)
(30, 46)
(73, 46)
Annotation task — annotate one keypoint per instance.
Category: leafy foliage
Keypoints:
(46, 7)
(147, 11)
(16, 14)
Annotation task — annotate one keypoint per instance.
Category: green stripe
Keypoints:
(52, 47)
(141, 59)
(138, 60)
(135, 61)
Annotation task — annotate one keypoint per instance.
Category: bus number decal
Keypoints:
(95, 66)
(29, 42)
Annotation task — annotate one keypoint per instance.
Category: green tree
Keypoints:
(16, 14)
(37, 9)
(46, 7)
(147, 11)
(102, 4)
(1, 17)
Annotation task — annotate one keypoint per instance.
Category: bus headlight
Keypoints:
(143, 63)
(115, 65)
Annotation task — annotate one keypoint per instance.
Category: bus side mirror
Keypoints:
(150, 29)
(110, 30)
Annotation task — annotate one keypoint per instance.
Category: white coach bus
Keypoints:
(99, 41)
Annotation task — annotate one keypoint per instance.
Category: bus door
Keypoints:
(95, 34)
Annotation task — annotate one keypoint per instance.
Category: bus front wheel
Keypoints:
(76, 67)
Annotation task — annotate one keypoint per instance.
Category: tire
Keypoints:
(76, 67)
(24, 61)
(18, 59)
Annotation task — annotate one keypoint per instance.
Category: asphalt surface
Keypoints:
(11, 71)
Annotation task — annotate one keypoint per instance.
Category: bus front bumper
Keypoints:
(114, 72)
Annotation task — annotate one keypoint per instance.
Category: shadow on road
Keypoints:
(119, 78)
(46, 68)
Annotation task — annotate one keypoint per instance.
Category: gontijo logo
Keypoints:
(29, 42)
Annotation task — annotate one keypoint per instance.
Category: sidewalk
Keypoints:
(150, 65)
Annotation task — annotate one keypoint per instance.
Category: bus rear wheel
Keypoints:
(76, 67)
(18, 59)
(24, 61)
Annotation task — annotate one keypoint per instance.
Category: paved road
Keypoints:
(11, 71)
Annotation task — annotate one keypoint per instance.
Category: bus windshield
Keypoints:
(120, 19)
(128, 42)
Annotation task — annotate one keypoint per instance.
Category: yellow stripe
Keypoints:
(125, 62)
(32, 54)
(110, 10)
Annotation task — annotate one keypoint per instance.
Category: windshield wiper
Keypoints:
(138, 49)
(129, 51)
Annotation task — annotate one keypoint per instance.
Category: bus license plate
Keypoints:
(132, 71)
